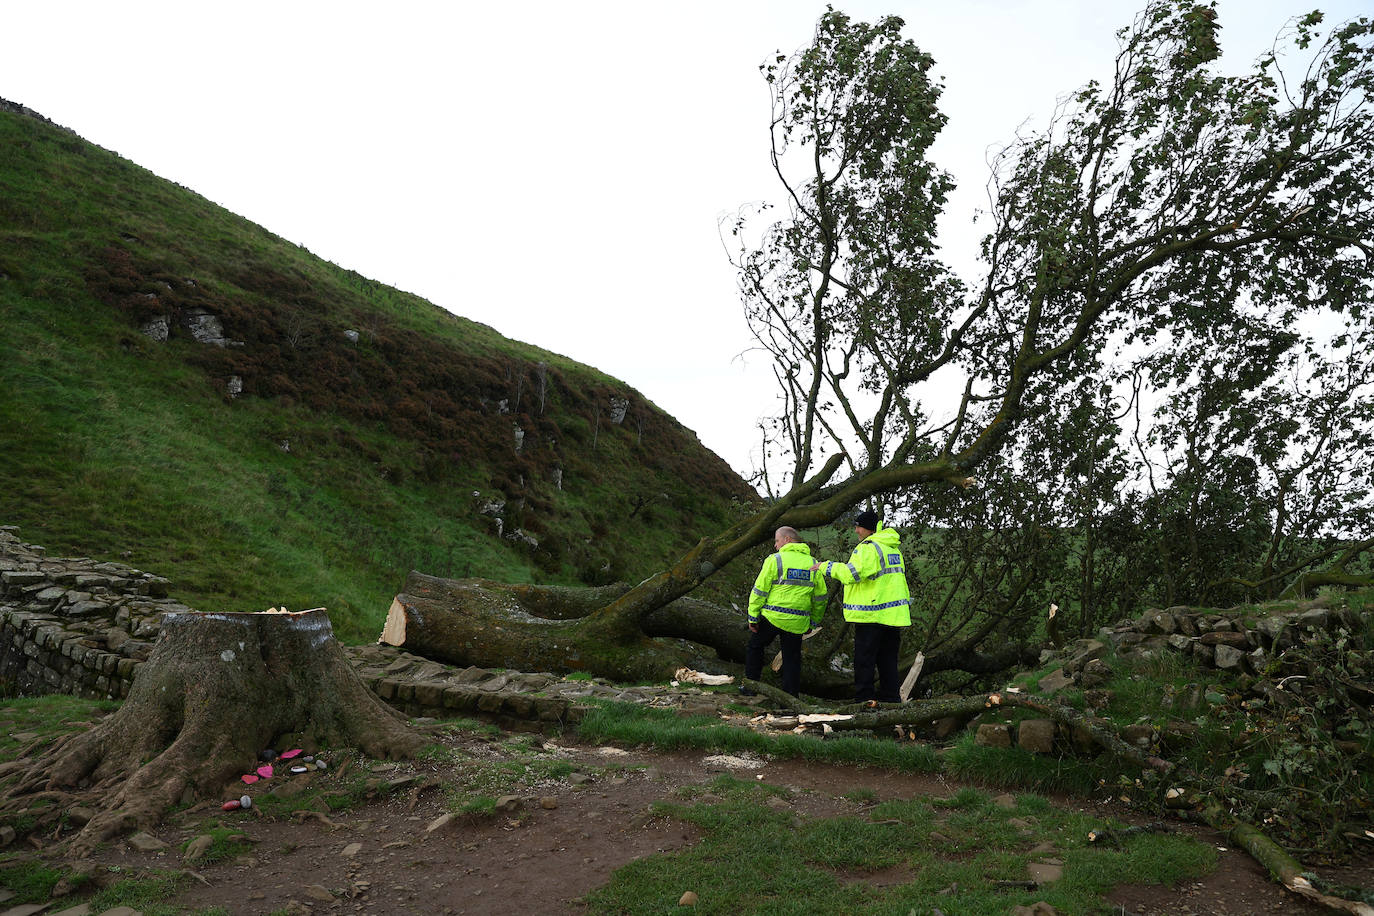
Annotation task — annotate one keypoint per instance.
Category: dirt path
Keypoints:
(381, 858)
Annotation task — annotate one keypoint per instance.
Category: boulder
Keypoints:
(1081, 651)
(1095, 674)
(1229, 657)
(993, 735)
(1036, 736)
(1053, 682)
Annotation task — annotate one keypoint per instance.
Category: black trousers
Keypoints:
(791, 654)
(875, 647)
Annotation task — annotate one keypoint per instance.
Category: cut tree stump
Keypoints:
(217, 689)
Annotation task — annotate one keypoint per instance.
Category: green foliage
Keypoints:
(1165, 366)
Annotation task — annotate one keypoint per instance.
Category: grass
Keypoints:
(225, 843)
(344, 464)
(665, 730)
(754, 858)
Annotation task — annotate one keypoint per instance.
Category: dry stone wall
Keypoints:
(83, 627)
(72, 624)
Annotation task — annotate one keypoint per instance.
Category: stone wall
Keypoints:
(83, 627)
(72, 624)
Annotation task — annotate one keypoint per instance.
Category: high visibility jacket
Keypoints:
(787, 592)
(875, 589)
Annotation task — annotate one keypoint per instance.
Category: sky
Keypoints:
(555, 170)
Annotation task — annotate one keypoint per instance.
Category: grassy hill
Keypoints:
(337, 434)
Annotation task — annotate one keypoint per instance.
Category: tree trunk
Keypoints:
(217, 689)
(561, 629)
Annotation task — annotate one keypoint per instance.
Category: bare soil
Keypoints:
(381, 858)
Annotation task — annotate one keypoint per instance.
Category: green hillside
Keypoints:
(339, 434)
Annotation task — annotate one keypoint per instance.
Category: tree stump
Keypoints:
(217, 689)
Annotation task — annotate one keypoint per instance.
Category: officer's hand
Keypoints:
(815, 566)
(753, 628)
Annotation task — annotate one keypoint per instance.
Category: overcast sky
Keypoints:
(556, 170)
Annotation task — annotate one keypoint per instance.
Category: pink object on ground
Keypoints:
(265, 771)
(249, 778)
(287, 755)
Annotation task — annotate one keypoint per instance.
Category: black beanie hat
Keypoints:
(867, 519)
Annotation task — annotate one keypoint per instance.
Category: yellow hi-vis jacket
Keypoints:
(787, 592)
(875, 589)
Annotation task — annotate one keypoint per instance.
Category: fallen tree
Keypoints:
(1103, 237)
(216, 691)
(556, 628)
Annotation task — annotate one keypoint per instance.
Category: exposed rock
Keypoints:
(1228, 657)
(1224, 638)
(82, 909)
(1045, 872)
(1162, 622)
(198, 847)
(689, 898)
(157, 328)
(1271, 627)
(146, 842)
(993, 735)
(206, 328)
(1036, 735)
(1094, 674)
(1180, 642)
(1318, 618)
(80, 816)
(1054, 682)
(619, 407)
(318, 892)
(1082, 651)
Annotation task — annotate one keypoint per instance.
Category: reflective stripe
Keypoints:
(760, 592)
(877, 607)
(830, 565)
(887, 572)
(786, 610)
(882, 557)
(778, 558)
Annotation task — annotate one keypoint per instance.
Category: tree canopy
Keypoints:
(1170, 332)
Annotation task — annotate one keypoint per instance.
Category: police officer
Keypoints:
(787, 599)
(878, 603)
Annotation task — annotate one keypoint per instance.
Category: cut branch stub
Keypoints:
(217, 689)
